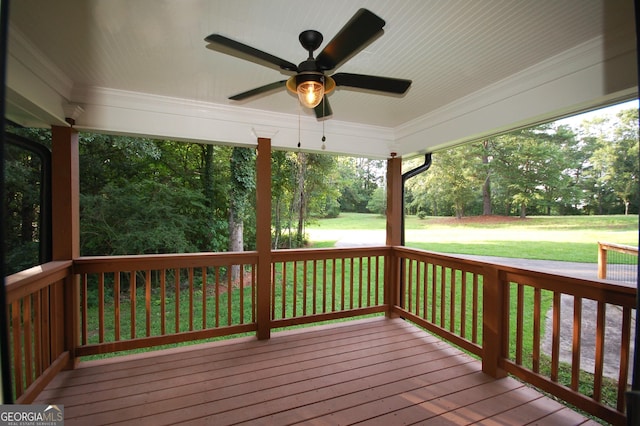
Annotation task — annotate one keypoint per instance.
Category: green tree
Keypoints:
(147, 196)
(625, 167)
(610, 177)
(358, 179)
(529, 163)
(243, 184)
(378, 202)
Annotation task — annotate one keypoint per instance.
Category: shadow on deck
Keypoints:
(376, 371)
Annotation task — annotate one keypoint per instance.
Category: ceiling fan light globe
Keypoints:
(310, 93)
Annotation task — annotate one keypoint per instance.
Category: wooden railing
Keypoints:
(442, 294)
(626, 266)
(132, 302)
(517, 321)
(528, 324)
(36, 320)
(325, 284)
(559, 365)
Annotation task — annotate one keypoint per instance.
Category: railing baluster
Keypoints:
(26, 325)
(463, 305)
(575, 344)
(217, 295)
(176, 282)
(304, 288)
(204, 297)
(47, 334)
(443, 293)
(360, 284)
(369, 266)
(452, 300)
(17, 347)
(295, 288)
(377, 280)
(433, 293)
(324, 285)
(147, 300)
(273, 290)
(343, 285)
(163, 302)
(241, 286)
(599, 367)
(352, 282)
(132, 301)
(253, 293)
(425, 291)
(37, 330)
(116, 306)
(419, 266)
(519, 323)
(623, 374)
(190, 278)
(284, 290)
(229, 294)
(333, 287)
(101, 307)
(475, 319)
(555, 345)
(315, 284)
(84, 315)
(408, 285)
(537, 308)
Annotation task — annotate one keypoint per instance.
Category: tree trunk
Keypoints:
(523, 211)
(459, 212)
(486, 197)
(236, 240)
(277, 224)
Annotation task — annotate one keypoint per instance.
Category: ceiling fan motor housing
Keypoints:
(310, 40)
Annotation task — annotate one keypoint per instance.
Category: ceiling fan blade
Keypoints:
(258, 90)
(242, 51)
(362, 29)
(323, 109)
(372, 82)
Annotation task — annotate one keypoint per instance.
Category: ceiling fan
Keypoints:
(310, 82)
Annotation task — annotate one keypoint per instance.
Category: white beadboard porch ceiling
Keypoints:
(478, 68)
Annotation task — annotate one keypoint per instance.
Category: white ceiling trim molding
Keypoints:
(571, 82)
(123, 112)
(39, 104)
(35, 86)
(38, 62)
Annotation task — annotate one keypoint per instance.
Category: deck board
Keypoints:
(374, 371)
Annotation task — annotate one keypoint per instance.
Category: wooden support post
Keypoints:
(394, 231)
(263, 238)
(494, 322)
(394, 201)
(65, 211)
(602, 261)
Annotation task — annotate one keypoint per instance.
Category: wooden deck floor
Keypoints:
(375, 371)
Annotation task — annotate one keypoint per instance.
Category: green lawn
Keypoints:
(566, 238)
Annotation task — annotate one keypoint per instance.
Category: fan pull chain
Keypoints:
(298, 128)
(323, 137)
